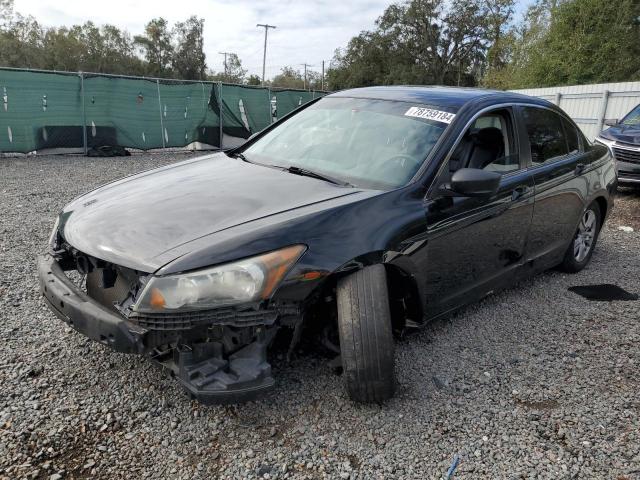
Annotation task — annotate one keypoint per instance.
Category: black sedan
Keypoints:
(365, 213)
(623, 138)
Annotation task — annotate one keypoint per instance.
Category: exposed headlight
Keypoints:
(54, 233)
(247, 280)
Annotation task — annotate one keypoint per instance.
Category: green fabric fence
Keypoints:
(288, 100)
(44, 110)
(39, 111)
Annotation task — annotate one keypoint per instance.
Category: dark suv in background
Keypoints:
(623, 139)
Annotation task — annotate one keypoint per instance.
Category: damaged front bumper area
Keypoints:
(218, 357)
(84, 314)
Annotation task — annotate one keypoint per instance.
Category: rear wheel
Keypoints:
(366, 338)
(584, 241)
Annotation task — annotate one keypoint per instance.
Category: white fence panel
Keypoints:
(590, 105)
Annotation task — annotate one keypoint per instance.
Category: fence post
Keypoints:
(558, 98)
(220, 111)
(270, 106)
(84, 117)
(161, 119)
(603, 110)
(204, 104)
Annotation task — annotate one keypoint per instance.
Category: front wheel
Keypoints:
(584, 241)
(366, 338)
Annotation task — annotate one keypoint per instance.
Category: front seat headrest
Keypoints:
(489, 137)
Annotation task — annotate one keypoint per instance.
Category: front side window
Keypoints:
(369, 143)
(546, 135)
(633, 117)
(488, 144)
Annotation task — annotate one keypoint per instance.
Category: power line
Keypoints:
(225, 62)
(266, 27)
(305, 74)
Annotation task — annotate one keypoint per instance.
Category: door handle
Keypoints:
(579, 168)
(519, 192)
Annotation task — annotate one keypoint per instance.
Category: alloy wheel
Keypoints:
(583, 242)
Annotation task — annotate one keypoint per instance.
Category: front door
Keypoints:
(474, 245)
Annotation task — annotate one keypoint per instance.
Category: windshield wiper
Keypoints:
(295, 170)
(320, 176)
(240, 156)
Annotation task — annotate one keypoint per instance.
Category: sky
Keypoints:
(308, 31)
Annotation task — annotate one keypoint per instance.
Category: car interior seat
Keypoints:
(488, 146)
(461, 153)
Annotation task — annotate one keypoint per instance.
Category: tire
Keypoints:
(579, 252)
(366, 338)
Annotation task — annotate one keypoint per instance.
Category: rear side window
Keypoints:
(572, 136)
(546, 135)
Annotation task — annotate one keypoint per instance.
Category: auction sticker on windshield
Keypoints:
(430, 114)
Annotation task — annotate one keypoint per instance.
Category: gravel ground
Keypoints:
(534, 382)
(627, 212)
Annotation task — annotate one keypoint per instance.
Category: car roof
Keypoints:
(454, 97)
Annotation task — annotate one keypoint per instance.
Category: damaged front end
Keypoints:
(217, 350)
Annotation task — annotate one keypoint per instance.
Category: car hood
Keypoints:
(623, 133)
(132, 221)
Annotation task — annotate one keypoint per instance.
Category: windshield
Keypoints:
(633, 117)
(376, 144)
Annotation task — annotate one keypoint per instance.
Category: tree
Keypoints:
(120, 52)
(63, 49)
(314, 80)
(588, 41)
(420, 42)
(156, 44)
(24, 43)
(189, 60)
(566, 42)
(517, 46)
(234, 71)
(254, 80)
(89, 48)
(498, 16)
(6, 12)
(288, 77)
(21, 43)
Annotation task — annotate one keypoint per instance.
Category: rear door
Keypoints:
(558, 163)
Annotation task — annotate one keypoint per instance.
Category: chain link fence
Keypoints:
(44, 110)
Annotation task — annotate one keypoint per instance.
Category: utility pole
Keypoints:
(323, 75)
(305, 74)
(225, 63)
(266, 27)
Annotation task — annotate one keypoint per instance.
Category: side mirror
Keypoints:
(611, 122)
(473, 182)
